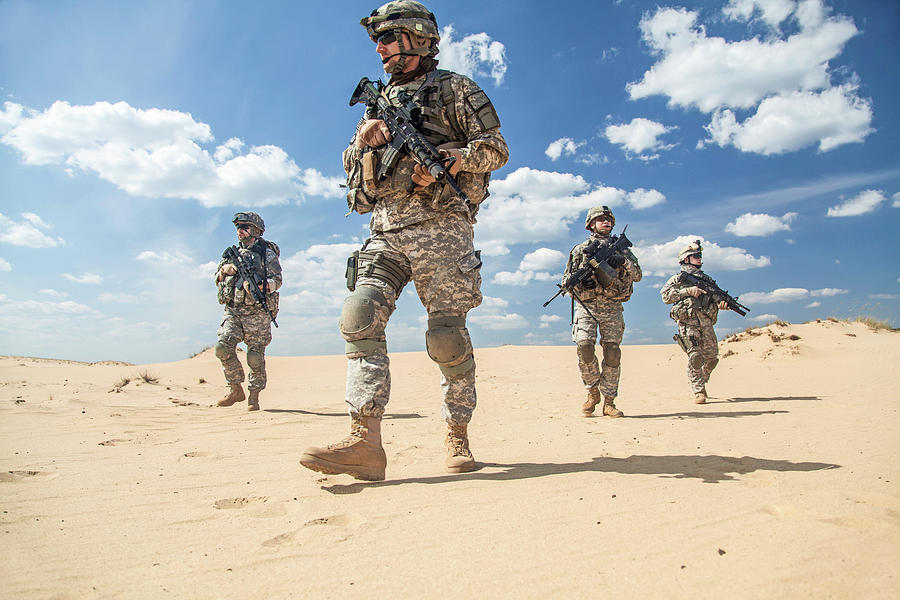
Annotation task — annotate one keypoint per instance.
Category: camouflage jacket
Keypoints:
(231, 290)
(687, 309)
(619, 290)
(457, 114)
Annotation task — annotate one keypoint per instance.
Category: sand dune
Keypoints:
(786, 485)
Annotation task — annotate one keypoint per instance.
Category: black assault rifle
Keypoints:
(717, 293)
(231, 253)
(597, 269)
(405, 137)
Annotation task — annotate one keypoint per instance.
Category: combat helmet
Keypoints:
(690, 250)
(598, 211)
(251, 218)
(409, 16)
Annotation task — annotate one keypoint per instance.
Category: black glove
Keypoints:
(588, 283)
(615, 261)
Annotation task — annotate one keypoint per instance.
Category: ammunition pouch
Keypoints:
(683, 310)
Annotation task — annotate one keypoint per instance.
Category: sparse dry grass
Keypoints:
(147, 377)
(117, 386)
(875, 324)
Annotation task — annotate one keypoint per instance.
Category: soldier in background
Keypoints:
(421, 230)
(695, 312)
(245, 319)
(601, 312)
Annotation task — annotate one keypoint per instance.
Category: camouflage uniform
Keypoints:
(695, 318)
(425, 236)
(606, 307)
(244, 319)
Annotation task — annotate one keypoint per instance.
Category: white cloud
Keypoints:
(27, 233)
(157, 153)
(884, 296)
(54, 293)
(474, 55)
(499, 322)
(778, 295)
(772, 12)
(751, 224)
(789, 122)
(662, 259)
(119, 298)
(764, 318)
(562, 146)
(827, 292)
(709, 73)
(90, 278)
(318, 274)
(517, 278)
(30, 308)
(547, 319)
(638, 137)
(816, 304)
(532, 206)
(864, 202)
(543, 259)
(165, 258)
(5, 267)
(896, 200)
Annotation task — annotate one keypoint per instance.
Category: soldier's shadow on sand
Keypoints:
(771, 399)
(297, 411)
(711, 415)
(709, 469)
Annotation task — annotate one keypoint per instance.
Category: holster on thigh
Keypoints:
(448, 345)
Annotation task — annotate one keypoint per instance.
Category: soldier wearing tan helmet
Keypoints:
(599, 311)
(695, 312)
(245, 320)
(421, 231)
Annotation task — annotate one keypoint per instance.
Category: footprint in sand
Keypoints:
(242, 502)
(114, 442)
(195, 454)
(13, 476)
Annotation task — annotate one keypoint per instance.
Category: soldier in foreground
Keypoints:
(248, 277)
(421, 230)
(598, 308)
(695, 311)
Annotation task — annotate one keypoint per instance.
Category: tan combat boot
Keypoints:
(253, 400)
(459, 457)
(700, 397)
(235, 395)
(359, 455)
(594, 398)
(610, 410)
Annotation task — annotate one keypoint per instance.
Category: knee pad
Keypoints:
(612, 355)
(586, 352)
(358, 320)
(695, 360)
(711, 364)
(447, 346)
(224, 351)
(256, 359)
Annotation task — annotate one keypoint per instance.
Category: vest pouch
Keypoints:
(272, 299)
(682, 310)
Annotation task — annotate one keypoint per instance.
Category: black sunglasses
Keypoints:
(388, 37)
(244, 226)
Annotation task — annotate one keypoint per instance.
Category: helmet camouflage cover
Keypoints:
(598, 211)
(408, 15)
(690, 250)
(250, 217)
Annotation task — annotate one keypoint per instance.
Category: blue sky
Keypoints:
(130, 133)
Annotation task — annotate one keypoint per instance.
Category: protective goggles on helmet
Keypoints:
(243, 226)
(241, 216)
(387, 37)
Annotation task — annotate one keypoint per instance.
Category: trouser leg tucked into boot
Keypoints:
(700, 397)
(235, 395)
(609, 408)
(594, 398)
(459, 457)
(253, 400)
(359, 455)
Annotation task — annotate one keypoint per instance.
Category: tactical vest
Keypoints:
(690, 309)
(231, 289)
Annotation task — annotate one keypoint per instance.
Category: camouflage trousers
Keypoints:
(251, 326)
(610, 324)
(703, 353)
(446, 271)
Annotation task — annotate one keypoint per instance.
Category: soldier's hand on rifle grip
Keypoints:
(422, 178)
(373, 133)
(226, 270)
(724, 305)
(694, 291)
(615, 261)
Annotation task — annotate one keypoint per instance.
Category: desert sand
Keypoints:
(786, 485)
